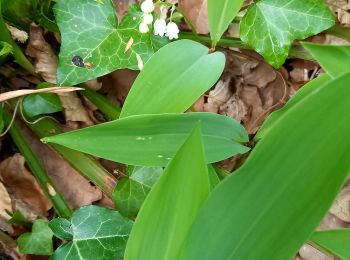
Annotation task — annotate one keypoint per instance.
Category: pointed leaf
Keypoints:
(220, 15)
(61, 228)
(170, 208)
(98, 233)
(93, 44)
(173, 79)
(334, 59)
(335, 241)
(39, 241)
(272, 204)
(131, 191)
(152, 140)
(270, 26)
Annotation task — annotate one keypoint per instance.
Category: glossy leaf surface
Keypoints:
(61, 228)
(290, 180)
(152, 140)
(220, 15)
(98, 233)
(173, 79)
(170, 208)
(270, 26)
(335, 241)
(131, 191)
(93, 44)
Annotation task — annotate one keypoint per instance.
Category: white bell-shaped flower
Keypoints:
(143, 28)
(172, 31)
(160, 27)
(147, 6)
(147, 18)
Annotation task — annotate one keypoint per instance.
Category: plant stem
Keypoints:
(101, 102)
(83, 163)
(37, 169)
(17, 52)
(339, 31)
(295, 52)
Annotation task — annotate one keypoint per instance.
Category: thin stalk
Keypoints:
(295, 52)
(83, 163)
(37, 169)
(340, 31)
(20, 58)
(101, 102)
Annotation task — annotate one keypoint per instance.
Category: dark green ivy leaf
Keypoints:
(93, 44)
(61, 228)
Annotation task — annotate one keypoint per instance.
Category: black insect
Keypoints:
(78, 61)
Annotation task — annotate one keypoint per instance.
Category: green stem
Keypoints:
(83, 163)
(339, 31)
(37, 169)
(17, 52)
(101, 102)
(295, 52)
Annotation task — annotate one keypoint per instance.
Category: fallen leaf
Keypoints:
(8, 248)
(332, 222)
(307, 252)
(23, 188)
(74, 187)
(197, 12)
(341, 9)
(5, 203)
(341, 206)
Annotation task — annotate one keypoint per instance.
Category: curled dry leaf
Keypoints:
(74, 188)
(307, 252)
(23, 188)
(341, 206)
(332, 222)
(341, 9)
(197, 12)
(8, 248)
(24, 92)
(5, 203)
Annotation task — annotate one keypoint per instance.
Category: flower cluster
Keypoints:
(160, 26)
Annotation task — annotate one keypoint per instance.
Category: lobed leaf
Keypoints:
(98, 233)
(61, 228)
(272, 204)
(93, 44)
(152, 140)
(170, 208)
(270, 26)
(173, 79)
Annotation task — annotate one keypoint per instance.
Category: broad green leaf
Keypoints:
(173, 79)
(93, 44)
(39, 241)
(152, 140)
(41, 104)
(98, 233)
(61, 228)
(305, 92)
(170, 208)
(220, 15)
(213, 177)
(271, 205)
(334, 241)
(132, 190)
(334, 59)
(270, 26)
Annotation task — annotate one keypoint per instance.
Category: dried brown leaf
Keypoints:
(197, 12)
(307, 252)
(5, 203)
(341, 206)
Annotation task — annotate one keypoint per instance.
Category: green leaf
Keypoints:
(41, 104)
(39, 241)
(152, 140)
(220, 15)
(61, 228)
(170, 208)
(18, 219)
(19, 12)
(307, 90)
(131, 191)
(334, 241)
(173, 79)
(91, 35)
(213, 177)
(5, 49)
(334, 59)
(270, 26)
(271, 205)
(98, 233)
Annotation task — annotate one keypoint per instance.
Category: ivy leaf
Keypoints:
(61, 228)
(93, 44)
(18, 218)
(39, 241)
(98, 233)
(270, 26)
(5, 48)
(131, 191)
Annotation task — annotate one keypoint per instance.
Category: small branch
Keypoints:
(37, 169)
